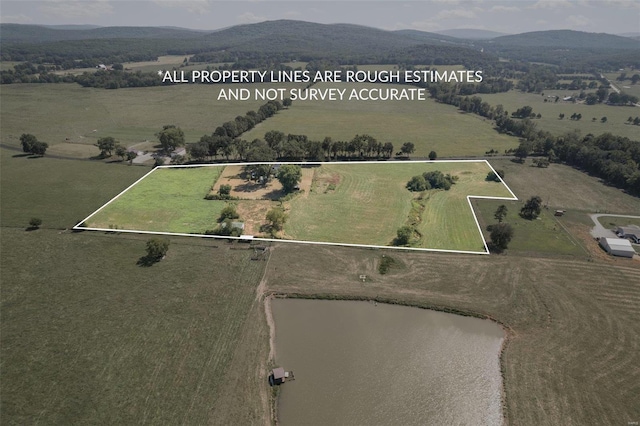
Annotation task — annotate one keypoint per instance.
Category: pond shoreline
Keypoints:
(507, 331)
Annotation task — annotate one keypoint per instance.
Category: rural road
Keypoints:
(600, 231)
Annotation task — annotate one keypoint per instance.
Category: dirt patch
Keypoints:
(325, 182)
(253, 213)
(307, 180)
(245, 189)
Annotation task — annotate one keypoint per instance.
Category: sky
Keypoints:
(515, 16)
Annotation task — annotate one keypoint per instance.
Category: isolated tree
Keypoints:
(494, 176)
(408, 148)
(531, 209)
(276, 218)
(289, 176)
(131, 155)
(170, 137)
(121, 152)
(561, 116)
(39, 148)
(404, 234)
(106, 145)
(501, 234)
(35, 223)
(603, 119)
(27, 140)
(433, 155)
(157, 248)
(501, 213)
(224, 190)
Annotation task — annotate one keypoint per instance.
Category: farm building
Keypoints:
(629, 232)
(617, 247)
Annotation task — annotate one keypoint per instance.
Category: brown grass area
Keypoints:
(253, 214)
(573, 350)
(323, 179)
(564, 187)
(245, 189)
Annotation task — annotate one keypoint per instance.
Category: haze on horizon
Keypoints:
(516, 16)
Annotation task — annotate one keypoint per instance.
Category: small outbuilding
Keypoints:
(617, 247)
(277, 376)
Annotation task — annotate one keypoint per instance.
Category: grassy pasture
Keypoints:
(370, 203)
(543, 235)
(168, 200)
(60, 192)
(429, 125)
(611, 222)
(68, 114)
(367, 206)
(616, 115)
(566, 188)
(89, 337)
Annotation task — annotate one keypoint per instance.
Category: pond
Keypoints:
(365, 363)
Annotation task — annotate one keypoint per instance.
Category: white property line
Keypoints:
(178, 234)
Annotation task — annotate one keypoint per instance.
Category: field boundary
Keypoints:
(513, 197)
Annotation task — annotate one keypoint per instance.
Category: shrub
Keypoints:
(228, 212)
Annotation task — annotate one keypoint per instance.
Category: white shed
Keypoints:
(617, 247)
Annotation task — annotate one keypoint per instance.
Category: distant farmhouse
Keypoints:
(631, 233)
(617, 247)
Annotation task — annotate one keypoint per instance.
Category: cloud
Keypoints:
(15, 19)
(501, 8)
(197, 7)
(551, 4)
(456, 14)
(291, 14)
(76, 8)
(250, 18)
(578, 20)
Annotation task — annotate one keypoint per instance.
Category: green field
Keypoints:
(89, 337)
(60, 192)
(168, 200)
(563, 187)
(616, 115)
(543, 235)
(71, 118)
(611, 222)
(429, 125)
(371, 202)
(367, 206)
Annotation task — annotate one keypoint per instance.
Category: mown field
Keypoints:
(572, 355)
(367, 204)
(60, 192)
(429, 125)
(168, 200)
(616, 115)
(88, 336)
(563, 187)
(370, 202)
(71, 118)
